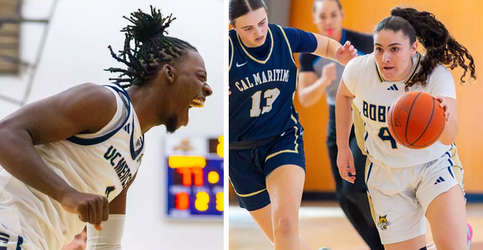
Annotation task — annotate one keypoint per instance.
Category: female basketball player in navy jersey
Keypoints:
(266, 149)
(405, 185)
(68, 155)
(319, 76)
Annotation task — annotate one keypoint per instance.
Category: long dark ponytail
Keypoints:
(441, 47)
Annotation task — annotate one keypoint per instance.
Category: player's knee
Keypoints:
(285, 225)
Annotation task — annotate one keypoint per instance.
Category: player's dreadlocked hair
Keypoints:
(440, 46)
(152, 48)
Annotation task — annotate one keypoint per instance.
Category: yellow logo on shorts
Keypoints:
(383, 223)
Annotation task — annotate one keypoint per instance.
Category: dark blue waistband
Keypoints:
(241, 145)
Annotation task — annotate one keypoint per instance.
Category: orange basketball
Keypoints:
(416, 120)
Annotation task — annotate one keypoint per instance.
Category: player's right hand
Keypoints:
(91, 208)
(345, 163)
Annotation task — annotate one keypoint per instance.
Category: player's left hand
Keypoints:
(345, 53)
(443, 104)
(91, 208)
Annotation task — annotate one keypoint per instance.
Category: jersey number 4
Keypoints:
(386, 136)
(269, 95)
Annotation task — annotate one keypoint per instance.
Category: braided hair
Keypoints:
(146, 48)
(441, 47)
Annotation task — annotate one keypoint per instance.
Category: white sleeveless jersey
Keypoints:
(374, 96)
(102, 163)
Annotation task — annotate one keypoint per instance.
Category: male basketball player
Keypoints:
(69, 159)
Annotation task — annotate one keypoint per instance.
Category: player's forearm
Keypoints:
(326, 47)
(450, 131)
(109, 238)
(451, 126)
(19, 158)
(343, 119)
(310, 94)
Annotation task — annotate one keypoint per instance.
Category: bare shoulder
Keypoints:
(85, 108)
(92, 93)
(90, 102)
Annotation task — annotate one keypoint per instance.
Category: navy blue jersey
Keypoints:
(262, 83)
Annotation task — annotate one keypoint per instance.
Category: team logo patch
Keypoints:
(393, 87)
(238, 65)
(136, 148)
(383, 223)
(439, 180)
(139, 141)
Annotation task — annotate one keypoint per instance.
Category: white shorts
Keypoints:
(10, 240)
(400, 196)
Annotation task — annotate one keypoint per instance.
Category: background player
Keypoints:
(401, 181)
(266, 149)
(87, 142)
(321, 75)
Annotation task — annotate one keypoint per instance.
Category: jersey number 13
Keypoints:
(270, 95)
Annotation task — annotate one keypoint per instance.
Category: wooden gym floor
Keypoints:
(323, 224)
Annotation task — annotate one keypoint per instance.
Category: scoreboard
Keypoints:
(194, 177)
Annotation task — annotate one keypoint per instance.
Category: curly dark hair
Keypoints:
(441, 47)
(152, 48)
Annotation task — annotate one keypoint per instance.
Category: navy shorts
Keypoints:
(253, 162)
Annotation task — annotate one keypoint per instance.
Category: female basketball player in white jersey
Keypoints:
(67, 156)
(407, 184)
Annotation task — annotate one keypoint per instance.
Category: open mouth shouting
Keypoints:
(197, 102)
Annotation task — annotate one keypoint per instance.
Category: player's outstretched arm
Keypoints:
(451, 125)
(85, 108)
(330, 48)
